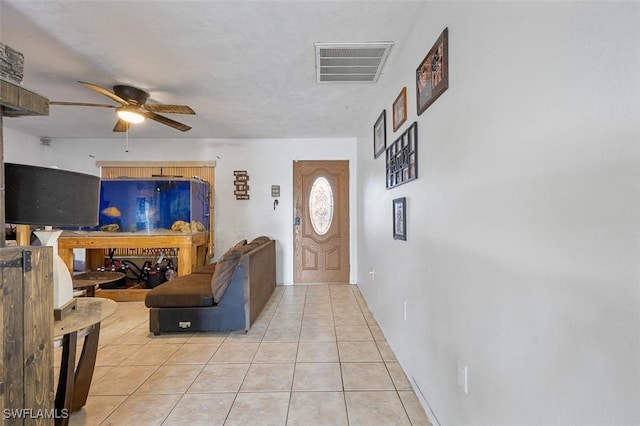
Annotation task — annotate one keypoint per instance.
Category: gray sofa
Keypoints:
(222, 296)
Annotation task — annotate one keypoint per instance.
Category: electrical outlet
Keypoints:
(463, 377)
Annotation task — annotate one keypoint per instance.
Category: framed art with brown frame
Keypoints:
(400, 109)
(432, 75)
(380, 134)
(400, 219)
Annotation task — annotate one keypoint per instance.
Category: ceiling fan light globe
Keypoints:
(130, 116)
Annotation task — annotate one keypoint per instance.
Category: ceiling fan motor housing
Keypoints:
(131, 94)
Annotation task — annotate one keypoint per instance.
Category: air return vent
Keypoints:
(350, 62)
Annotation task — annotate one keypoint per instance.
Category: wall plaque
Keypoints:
(241, 183)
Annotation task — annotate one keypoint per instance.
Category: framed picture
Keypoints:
(400, 109)
(402, 158)
(432, 75)
(400, 219)
(380, 134)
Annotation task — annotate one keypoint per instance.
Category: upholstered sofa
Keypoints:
(222, 296)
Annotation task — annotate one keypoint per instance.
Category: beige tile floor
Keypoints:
(315, 356)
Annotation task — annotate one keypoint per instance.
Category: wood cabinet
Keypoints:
(26, 335)
(26, 301)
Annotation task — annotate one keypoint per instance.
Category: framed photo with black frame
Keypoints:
(402, 158)
(400, 219)
(432, 75)
(380, 134)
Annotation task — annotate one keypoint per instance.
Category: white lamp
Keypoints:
(130, 114)
(52, 197)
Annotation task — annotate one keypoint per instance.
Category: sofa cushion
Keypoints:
(245, 248)
(261, 240)
(225, 267)
(209, 268)
(187, 291)
(240, 243)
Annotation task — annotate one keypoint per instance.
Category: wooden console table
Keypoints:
(192, 249)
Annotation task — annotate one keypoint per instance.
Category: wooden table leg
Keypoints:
(66, 254)
(201, 255)
(94, 258)
(91, 291)
(23, 235)
(66, 379)
(185, 260)
(84, 372)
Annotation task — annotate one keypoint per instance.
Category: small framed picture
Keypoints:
(432, 75)
(380, 134)
(400, 109)
(400, 219)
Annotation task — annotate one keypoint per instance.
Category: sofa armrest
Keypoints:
(259, 279)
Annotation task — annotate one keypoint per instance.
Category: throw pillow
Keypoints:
(225, 268)
(261, 240)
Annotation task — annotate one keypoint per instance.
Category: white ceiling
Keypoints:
(246, 67)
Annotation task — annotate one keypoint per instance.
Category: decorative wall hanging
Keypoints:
(400, 219)
(432, 75)
(402, 158)
(380, 134)
(241, 182)
(400, 109)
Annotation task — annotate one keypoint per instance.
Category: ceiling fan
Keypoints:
(133, 107)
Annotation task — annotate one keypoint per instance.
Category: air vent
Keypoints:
(350, 62)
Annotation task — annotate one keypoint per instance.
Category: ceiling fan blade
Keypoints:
(121, 126)
(165, 120)
(173, 109)
(80, 104)
(105, 92)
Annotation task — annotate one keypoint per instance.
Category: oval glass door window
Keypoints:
(321, 205)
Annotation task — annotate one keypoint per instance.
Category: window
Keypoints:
(321, 205)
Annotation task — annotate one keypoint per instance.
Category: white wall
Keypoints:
(523, 226)
(22, 148)
(268, 162)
